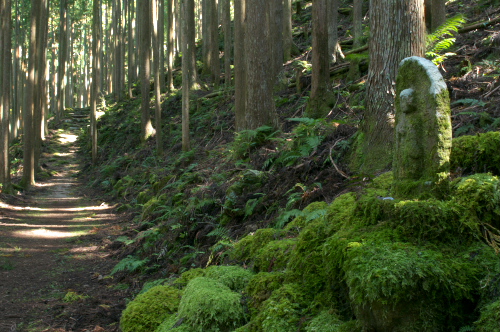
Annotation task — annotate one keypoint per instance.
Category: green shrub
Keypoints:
(208, 305)
(148, 310)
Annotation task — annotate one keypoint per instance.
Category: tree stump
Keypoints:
(423, 129)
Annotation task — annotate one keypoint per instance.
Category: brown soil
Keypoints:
(54, 265)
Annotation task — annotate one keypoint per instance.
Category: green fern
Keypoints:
(129, 264)
(443, 39)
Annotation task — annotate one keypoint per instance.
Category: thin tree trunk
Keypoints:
(213, 56)
(96, 68)
(226, 22)
(239, 64)
(5, 72)
(275, 12)
(63, 55)
(435, 14)
(333, 6)
(318, 102)
(186, 75)
(287, 30)
(145, 50)
(157, 87)
(170, 44)
(161, 38)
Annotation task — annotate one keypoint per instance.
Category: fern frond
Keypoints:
(130, 264)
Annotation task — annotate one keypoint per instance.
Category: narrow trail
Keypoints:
(53, 256)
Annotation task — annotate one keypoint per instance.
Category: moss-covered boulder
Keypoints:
(274, 256)
(476, 154)
(234, 277)
(246, 248)
(261, 286)
(208, 305)
(148, 310)
(327, 321)
(283, 311)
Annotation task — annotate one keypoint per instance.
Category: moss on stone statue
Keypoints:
(423, 129)
(208, 305)
(477, 153)
(148, 310)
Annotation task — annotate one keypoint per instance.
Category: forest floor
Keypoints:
(53, 254)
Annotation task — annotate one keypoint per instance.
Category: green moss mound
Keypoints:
(234, 277)
(326, 321)
(173, 323)
(282, 312)
(476, 154)
(208, 305)
(148, 310)
(274, 255)
(490, 318)
(247, 247)
(261, 286)
(187, 276)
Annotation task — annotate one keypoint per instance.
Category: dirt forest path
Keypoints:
(54, 262)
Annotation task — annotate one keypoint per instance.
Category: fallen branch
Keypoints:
(334, 164)
(479, 25)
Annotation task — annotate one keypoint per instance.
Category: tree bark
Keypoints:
(397, 31)
(5, 98)
(96, 75)
(435, 14)
(145, 53)
(239, 64)
(260, 108)
(187, 5)
(161, 42)
(157, 86)
(226, 21)
(170, 43)
(318, 101)
(276, 35)
(287, 30)
(132, 67)
(63, 55)
(333, 6)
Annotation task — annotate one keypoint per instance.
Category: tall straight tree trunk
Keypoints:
(213, 53)
(333, 6)
(40, 88)
(117, 50)
(226, 22)
(161, 38)
(96, 74)
(5, 88)
(63, 55)
(435, 14)
(187, 5)
(287, 30)
(397, 31)
(170, 43)
(28, 179)
(131, 30)
(260, 108)
(357, 23)
(239, 64)
(275, 10)
(191, 34)
(318, 102)
(145, 53)
(157, 69)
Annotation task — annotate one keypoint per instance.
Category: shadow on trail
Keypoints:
(53, 241)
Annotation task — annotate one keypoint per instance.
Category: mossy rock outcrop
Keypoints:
(148, 310)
